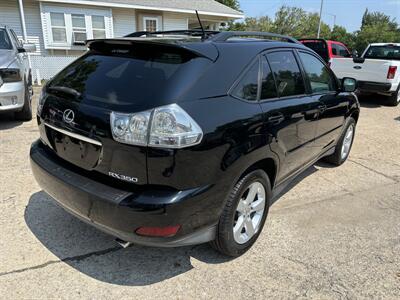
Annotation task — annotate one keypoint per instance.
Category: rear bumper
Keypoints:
(120, 212)
(374, 87)
(12, 96)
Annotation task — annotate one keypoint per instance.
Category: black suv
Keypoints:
(177, 139)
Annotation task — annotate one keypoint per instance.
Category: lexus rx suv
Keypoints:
(15, 75)
(182, 138)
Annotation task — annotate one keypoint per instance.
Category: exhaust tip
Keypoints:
(122, 243)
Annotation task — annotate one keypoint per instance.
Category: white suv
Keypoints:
(15, 75)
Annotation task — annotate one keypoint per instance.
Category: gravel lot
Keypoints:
(334, 234)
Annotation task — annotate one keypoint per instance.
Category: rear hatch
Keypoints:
(319, 46)
(120, 76)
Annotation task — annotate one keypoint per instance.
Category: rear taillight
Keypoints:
(166, 127)
(40, 102)
(158, 231)
(392, 72)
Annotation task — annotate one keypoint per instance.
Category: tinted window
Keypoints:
(287, 73)
(248, 85)
(130, 75)
(383, 52)
(320, 79)
(334, 49)
(342, 51)
(15, 38)
(5, 42)
(268, 88)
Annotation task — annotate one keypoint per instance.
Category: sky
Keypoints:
(348, 12)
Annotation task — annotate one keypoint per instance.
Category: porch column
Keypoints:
(23, 25)
(22, 17)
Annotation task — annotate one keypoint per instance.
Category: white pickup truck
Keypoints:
(376, 71)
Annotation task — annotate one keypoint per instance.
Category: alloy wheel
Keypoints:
(347, 141)
(249, 213)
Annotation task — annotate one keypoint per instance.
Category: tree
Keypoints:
(339, 33)
(296, 22)
(231, 3)
(376, 27)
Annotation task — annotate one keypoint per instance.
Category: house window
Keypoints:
(58, 28)
(78, 29)
(150, 24)
(99, 27)
(67, 28)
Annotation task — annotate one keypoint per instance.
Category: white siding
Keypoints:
(175, 22)
(124, 21)
(9, 15)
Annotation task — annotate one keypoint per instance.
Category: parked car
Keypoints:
(15, 75)
(377, 70)
(180, 140)
(327, 49)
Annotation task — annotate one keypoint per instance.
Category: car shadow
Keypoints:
(7, 121)
(311, 170)
(97, 254)
(372, 101)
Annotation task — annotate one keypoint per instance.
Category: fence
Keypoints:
(45, 67)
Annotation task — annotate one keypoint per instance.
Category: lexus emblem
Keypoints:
(68, 116)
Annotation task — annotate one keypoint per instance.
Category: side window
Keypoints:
(320, 79)
(287, 73)
(334, 49)
(15, 39)
(248, 85)
(343, 51)
(268, 87)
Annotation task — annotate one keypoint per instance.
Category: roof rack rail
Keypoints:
(193, 32)
(225, 35)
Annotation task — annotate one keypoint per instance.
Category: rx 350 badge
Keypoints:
(123, 177)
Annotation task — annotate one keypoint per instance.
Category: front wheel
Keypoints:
(343, 147)
(244, 215)
(26, 113)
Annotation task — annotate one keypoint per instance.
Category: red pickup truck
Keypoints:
(327, 49)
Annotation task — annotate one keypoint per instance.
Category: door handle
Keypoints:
(276, 119)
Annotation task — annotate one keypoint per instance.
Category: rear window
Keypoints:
(129, 75)
(383, 52)
(320, 47)
(5, 43)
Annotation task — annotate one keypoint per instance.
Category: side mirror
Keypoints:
(349, 84)
(27, 48)
(355, 54)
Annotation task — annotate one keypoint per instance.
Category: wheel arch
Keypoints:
(268, 165)
(355, 114)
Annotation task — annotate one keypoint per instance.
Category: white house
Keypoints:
(59, 27)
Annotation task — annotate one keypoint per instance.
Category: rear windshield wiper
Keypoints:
(65, 90)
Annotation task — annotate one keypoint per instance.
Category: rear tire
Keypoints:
(394, 99)
(244, 214)
(26, 113)
(343, 146)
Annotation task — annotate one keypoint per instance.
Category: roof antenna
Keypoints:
(201, 25)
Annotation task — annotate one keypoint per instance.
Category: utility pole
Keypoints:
(334, 19)
(320, 18)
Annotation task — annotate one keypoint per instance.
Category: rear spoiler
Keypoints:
(206, 50)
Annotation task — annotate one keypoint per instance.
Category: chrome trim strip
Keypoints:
(75, 135)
